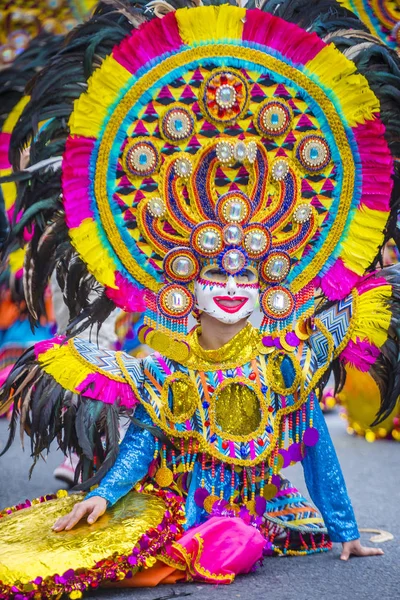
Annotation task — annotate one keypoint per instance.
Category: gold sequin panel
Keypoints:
(30, 549)
(237, 410)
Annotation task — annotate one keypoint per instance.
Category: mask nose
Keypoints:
(231, 287)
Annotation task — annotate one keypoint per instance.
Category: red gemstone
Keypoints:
(270, 409)
(252, 376)
(260, 442)
(210, 388)
(207, 423)
(225, 445)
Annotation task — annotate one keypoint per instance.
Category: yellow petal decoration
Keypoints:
(337, 73)
(85, 239)
(104, 87)
(364, 238)
(372, 317)
(208, 23)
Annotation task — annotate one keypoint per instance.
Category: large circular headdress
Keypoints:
(228, 135)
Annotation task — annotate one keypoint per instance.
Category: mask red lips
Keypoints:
(230, 304)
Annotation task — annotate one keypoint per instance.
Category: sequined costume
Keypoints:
(214, 150)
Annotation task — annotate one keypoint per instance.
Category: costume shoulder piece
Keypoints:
(73, 391)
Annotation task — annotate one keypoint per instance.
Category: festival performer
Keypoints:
(219, 156)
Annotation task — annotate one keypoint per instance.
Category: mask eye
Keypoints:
(246, 276)
(214, 274)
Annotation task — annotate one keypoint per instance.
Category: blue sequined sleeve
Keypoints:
(326, 486)
(135, 455)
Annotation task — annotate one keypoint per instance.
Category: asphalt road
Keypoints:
(372, 476)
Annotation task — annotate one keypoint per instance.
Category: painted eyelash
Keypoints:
(202, 281)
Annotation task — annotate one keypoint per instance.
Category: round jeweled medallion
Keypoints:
(277, 302)
(313, 153)
(276, 267)
(302, 213)
(224, 151)
(257, 241)
(140, 157)
(233, 235)
(280, 169)
(206, 239)
(233, 261)
(273, 118)
(224, 96)
(156, 207)
(181, 265)
(183, 166)
(175, 301)
(233, 207)
(177, 124)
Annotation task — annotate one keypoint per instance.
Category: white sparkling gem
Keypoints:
(156, 207)
(234, 210)
(256, 241)
(224, 151)
(280, 169)
(279, 302)
(233, 261)
(277, 268)
(240, 151)
(226, 96)
(251, 152)
(177, 301)
(182, 266)
(302, 213)
(209, 240)
(183, 167)
(233, 235)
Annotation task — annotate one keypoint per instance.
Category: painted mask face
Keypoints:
(226, 297)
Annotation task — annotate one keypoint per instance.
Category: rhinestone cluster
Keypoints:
(313, 153)
(227, 152)
(177, 124)
(141, 157)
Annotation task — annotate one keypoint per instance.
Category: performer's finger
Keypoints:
(76, 515)
(94, 515)
(345, 554)
(372, 551)
(60, 523)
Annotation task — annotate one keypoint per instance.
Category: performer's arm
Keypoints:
(135, 455)
(326, 486)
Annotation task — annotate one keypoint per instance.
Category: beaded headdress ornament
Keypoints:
(226, 136)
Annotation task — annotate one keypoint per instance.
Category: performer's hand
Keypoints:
(354, 548)
(94, 507)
